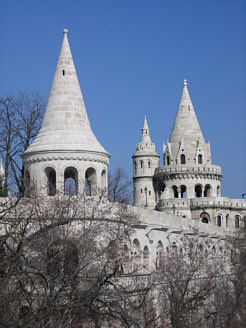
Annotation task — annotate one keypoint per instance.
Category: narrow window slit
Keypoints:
(63, 72)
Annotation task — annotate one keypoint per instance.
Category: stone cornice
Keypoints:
(68, 156)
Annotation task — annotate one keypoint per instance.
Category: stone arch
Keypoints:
(103, 179)
(90, 182)
(237, 221)
(136, 254)
(175, 192)
(160, 188)
(198, 190)
(70, 181)
(219, 220)
(205, 217)
(182, 159)
(208, 190)
(146, 257)
(62, 258)
(183, 191)
(51, 181)
(199, 159)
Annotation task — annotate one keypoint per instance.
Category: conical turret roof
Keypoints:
(65, 125)
(186, 125)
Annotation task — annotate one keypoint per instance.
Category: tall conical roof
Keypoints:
(186, 125)
(65, 125)
(145, 146)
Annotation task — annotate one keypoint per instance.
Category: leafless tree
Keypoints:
(119, 186)
(61, 259)
(20, 121)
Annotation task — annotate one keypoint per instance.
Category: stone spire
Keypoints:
(186, 124)
(146, 143)
(186, 136)
(65, 124)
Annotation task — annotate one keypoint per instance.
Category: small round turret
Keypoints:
(145, 161)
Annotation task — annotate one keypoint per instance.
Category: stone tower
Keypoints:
(145, 161)
(66, 157)
(187, 170)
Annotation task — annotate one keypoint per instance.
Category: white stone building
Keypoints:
(171, 200)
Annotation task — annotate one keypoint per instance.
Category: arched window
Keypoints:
(149, 164)
(198, 191)
(207, 191)
(183, 190)
(146, 257)
(237, 222)
(141, 164)
(51, 181)
(175, 192)
(219, 220)
(218, 191)
(103, 180)
(168, 160)
(70, 181)
(90, 182)
(182, 159)
(62, 258)
(136, 255)
(205, 217)
(160, 188)
(199, 159)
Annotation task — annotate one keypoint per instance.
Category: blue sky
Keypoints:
(131, 58)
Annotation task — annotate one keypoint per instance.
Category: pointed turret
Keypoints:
(145, 161)
(186, 138)
(186, 124)
(65, 124)
(65, 147)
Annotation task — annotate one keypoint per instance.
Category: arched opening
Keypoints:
(199, 159)
(237, 224)
(219, 220)
(90, 182)
(62, 259)
(160, 188)
(182, 159)
(198, 191)
(183, 190)
(146, 257)
(27, 184)
(103, 180)
(70, 181)
(205, 217)
(218, 191)
(175, 192)
(207, 191)
(51, 181)
(168, 160)
(149, 164)
(136, 255)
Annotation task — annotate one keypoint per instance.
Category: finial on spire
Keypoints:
(185, 83)
(65, 31)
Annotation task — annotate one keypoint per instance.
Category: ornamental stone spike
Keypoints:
(65, 125)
